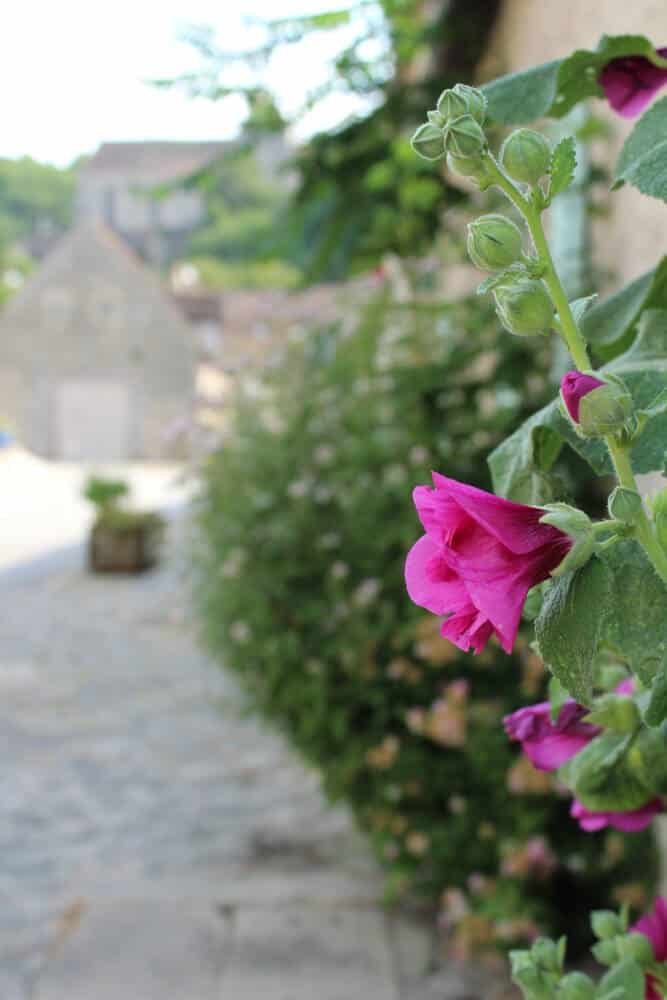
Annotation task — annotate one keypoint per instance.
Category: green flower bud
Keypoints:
(659, 507)
(617, 712)
(604, 410)
(465, 137)
(494, 242)
(546, 954)
(471, 166)
(525, 155)
(436, 119)
(429, 142)
(474, 101)
(606, 924)
(606, 952)
(524, 307)
(638, 947)
(624, 504)
(451, 105)
(576, 986)
(569, 519)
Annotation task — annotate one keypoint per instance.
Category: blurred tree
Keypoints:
(360, 191)
(33, 194)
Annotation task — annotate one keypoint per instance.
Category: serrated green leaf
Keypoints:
(644, 370)
(643, 159)
(624, 981)
(569, 626)
(554, 88)
(562, 167)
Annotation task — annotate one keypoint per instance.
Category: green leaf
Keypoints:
(570, 624)
(624, 981)
(643, 368)
(580, 307)
(563, 165)
(558, 696)
(554, 88)
(643, 159)
(609, 326)
(656, 711)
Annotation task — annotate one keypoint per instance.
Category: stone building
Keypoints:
(118, 183)
(96, 363)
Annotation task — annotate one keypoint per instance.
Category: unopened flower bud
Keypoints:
(617, 712)
(473, 99)
(606, 924)
(436, 119)
(429, 142)
(524, 307)
(451, 105)
(638, 947)
(597, 407)
(659, 507)
(624, 504)
(494, 242)
(464, 136)
(471, 166)
(606, 952)
(576, 986)
(525, 155)
(546, 953)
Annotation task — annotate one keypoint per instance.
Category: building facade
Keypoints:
(96, 364)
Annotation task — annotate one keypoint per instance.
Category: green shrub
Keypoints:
(305, 518)
(104, 493)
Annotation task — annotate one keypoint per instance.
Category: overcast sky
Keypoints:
(72, 73)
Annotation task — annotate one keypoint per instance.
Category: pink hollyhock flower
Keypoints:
(628, 822)
(630, 82)
(480, 556)
(574, 386)
(654, 926)
(548, 744)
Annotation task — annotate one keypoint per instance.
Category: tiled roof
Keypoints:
(161, 160)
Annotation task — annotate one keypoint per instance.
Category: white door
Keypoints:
(93, 421)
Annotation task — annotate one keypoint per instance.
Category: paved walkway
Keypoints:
(154, 844)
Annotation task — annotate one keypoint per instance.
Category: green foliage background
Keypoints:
(304, 519)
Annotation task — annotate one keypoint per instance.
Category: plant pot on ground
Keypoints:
(121, 540)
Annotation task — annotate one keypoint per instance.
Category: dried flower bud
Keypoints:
(494, 242)
(429, 142)
(525, 155)
(524, 307)
(464, 136)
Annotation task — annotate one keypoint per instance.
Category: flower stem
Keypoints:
(576, 345)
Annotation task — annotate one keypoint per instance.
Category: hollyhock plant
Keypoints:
(627, 822)
(630, 82)
(654, 927)
(480, 556)
(549, 744)
(574, 386)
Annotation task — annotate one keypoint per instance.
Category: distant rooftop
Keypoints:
(162, 161)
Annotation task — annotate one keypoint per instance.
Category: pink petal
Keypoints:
(468, 630)
(630, 83)
(574, 386)
(431, 583)
(551, 753)
(515, 525)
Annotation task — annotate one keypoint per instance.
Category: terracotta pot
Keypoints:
(123, 550)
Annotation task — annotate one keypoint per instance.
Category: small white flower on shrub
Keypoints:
(239, 632)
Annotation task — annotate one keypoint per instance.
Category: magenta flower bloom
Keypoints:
(628, 822)
(574, 386)
(477, 561)
(654, 926)
(630, 82)
(548, 744)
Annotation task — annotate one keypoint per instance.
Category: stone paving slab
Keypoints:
(140, 950)
(299, 952)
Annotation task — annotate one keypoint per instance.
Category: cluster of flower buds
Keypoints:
(455, 129)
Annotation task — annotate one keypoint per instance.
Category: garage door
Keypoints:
(93, 420)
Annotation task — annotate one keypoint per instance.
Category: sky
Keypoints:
(73, 74)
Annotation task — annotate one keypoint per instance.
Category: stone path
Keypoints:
(154, 843)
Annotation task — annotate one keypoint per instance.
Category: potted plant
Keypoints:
(121, 540)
